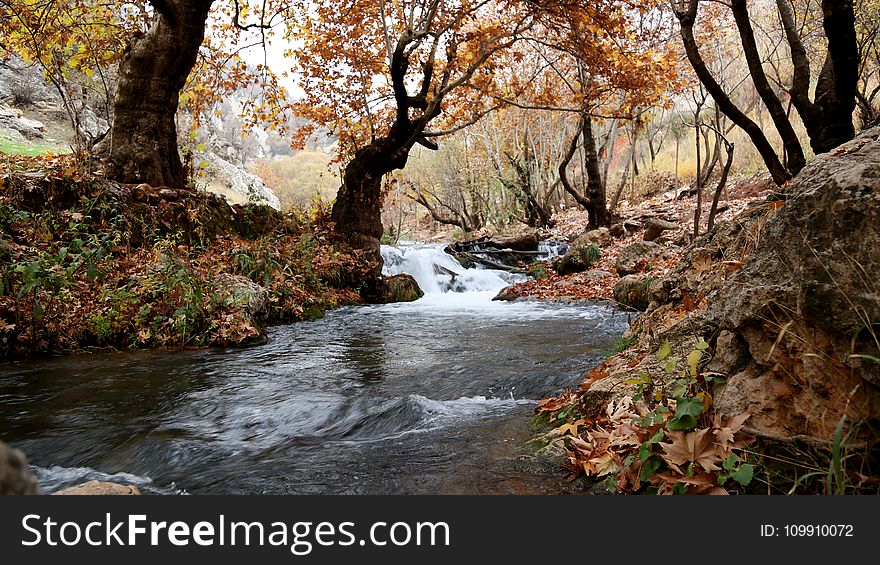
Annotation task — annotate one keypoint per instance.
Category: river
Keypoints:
(432, 396)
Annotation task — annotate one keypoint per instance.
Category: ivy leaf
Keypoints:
(743, 474)
(686, 412)
(730, 463)
(649, 467)
(665, 351)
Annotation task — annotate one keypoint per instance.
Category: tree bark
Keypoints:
(687, 19)
(795, 153)
(828, 120)
(722, 182)
(597, 210)
(142, 144)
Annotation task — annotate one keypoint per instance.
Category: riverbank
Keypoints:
(87, 264)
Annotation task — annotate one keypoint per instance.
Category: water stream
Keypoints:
(432, 396)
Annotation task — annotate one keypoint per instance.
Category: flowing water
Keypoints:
(432, 396)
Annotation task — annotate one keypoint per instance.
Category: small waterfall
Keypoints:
(550, 249)
(437, 272)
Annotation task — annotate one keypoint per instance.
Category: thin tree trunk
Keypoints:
(795, 159)
(722, 183)
(698, 211)
(687, 18)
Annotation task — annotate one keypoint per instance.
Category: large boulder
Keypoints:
(636, 257)
(806, 306)
(16, 476)
(788, 300)
(632, 291)
(399, 288)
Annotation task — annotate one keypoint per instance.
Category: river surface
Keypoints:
(431, 397)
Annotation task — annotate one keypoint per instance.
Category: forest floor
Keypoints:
(597, 283)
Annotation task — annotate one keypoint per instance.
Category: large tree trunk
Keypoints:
(828, 120)
(357, 211)
(142, 144)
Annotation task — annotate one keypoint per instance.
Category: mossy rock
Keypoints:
(399, 288)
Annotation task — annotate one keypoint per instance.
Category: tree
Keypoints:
(828, 117)
(397, 68)
(157, 51)
(142, 144)
(686, 13)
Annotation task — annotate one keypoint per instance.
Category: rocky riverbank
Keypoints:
(88, 264)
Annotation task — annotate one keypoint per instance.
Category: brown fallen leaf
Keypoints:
(697, 446)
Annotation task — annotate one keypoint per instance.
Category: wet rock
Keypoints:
(99, 488)
(399, 288)
(16, 476)
(632, 291)
(635, 258)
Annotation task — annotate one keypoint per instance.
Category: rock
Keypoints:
(635, 257)
(809, 319)
(598, 274)
(99, 488)
(90, 125)
(241, 293)
(656, 226)
(598, 237)
(617, 230)
(730, 354)
(583, 252)
(11, 119)
(248, 187)
(399, 288)
(632, 291)
(16, 476)
(582, 255)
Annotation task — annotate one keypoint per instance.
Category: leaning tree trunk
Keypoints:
(142, 144)
(357, 212)
(795, 153)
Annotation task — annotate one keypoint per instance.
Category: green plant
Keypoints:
(589, 255)
(538, 270)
